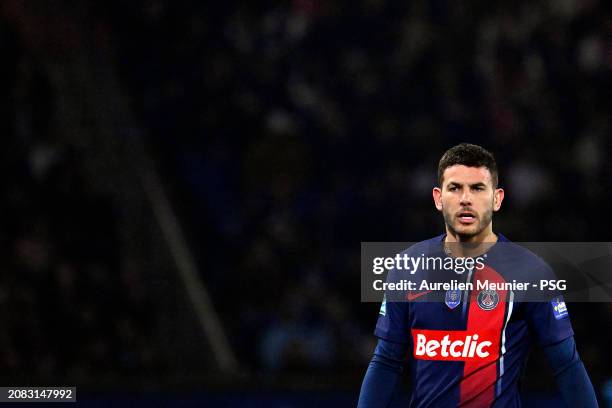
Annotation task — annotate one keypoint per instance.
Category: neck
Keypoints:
(470, 246)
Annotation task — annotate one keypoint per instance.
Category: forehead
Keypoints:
(466, 175)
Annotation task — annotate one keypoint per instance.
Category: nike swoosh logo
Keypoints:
(412, 296)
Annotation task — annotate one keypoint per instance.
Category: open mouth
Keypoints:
(466, 217)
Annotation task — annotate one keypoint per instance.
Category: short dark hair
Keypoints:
(470, 155)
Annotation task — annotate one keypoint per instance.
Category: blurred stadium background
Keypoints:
(185, 184)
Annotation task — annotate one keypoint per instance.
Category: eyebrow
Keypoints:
(479, 184)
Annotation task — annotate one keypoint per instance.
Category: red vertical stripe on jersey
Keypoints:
(479, 376)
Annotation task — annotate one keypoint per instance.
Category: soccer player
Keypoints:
(468, 348)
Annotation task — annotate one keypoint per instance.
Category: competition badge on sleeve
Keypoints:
(559, 308)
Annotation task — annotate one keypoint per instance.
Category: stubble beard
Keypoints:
(483, 222)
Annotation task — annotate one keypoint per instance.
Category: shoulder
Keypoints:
(425, 247)
(524, 256)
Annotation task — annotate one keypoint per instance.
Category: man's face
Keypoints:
(467, 201)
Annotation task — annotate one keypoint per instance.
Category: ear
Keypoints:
(498, 197)
(437, 196)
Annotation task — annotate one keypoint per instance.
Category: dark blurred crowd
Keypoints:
(294, 130)
(72, 310)
(289, 132)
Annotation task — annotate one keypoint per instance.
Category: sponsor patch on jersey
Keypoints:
(559, 308)
(487, 299)
(450, 345)
(383, 306)
(452, 298)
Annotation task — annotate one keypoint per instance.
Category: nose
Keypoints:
(466, 198)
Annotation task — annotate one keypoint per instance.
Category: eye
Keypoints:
(452, 188)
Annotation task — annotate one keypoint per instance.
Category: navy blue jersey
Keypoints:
(469, 347)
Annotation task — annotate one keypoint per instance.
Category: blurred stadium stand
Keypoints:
(281, 134)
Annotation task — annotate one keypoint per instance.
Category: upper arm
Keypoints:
(395, 353)
(393, 323)
(549, 321)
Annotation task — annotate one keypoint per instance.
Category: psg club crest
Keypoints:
(487, 299)
(452, 298)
